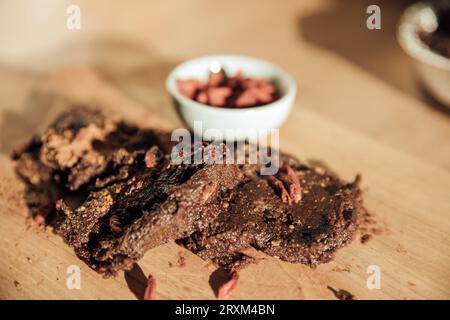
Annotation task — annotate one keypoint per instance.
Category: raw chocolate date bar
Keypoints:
(110, 189)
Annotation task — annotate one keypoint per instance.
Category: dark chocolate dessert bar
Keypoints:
(300, 216)
(115, 226)
(111, 191)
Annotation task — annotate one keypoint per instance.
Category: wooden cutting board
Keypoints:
(409, 199)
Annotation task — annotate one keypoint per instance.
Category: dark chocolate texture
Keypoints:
(111, 191)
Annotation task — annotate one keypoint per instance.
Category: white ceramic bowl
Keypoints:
(433, 69)
(233, 124)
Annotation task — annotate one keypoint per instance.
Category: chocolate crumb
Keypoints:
(17, 284)
(376, 231)
(365, 237)
(342, 294)
(368, 227)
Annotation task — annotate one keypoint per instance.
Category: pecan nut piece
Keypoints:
(287, 185)
(292, 183)
(279, 188)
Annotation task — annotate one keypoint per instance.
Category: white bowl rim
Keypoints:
(291, 88)
(409, 41)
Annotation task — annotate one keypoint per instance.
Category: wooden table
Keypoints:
(354, 110)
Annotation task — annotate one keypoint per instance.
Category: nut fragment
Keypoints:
(278, 186)
(287, 185)
(153, 157)
(115, 225)
(292, 183)
(227, 289)
(150, 291)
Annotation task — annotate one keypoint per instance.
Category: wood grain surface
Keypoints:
(408, 197)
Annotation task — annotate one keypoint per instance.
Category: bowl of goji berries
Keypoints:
(231, 96)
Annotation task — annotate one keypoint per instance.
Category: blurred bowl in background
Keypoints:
(233, 123)
(433, 69)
